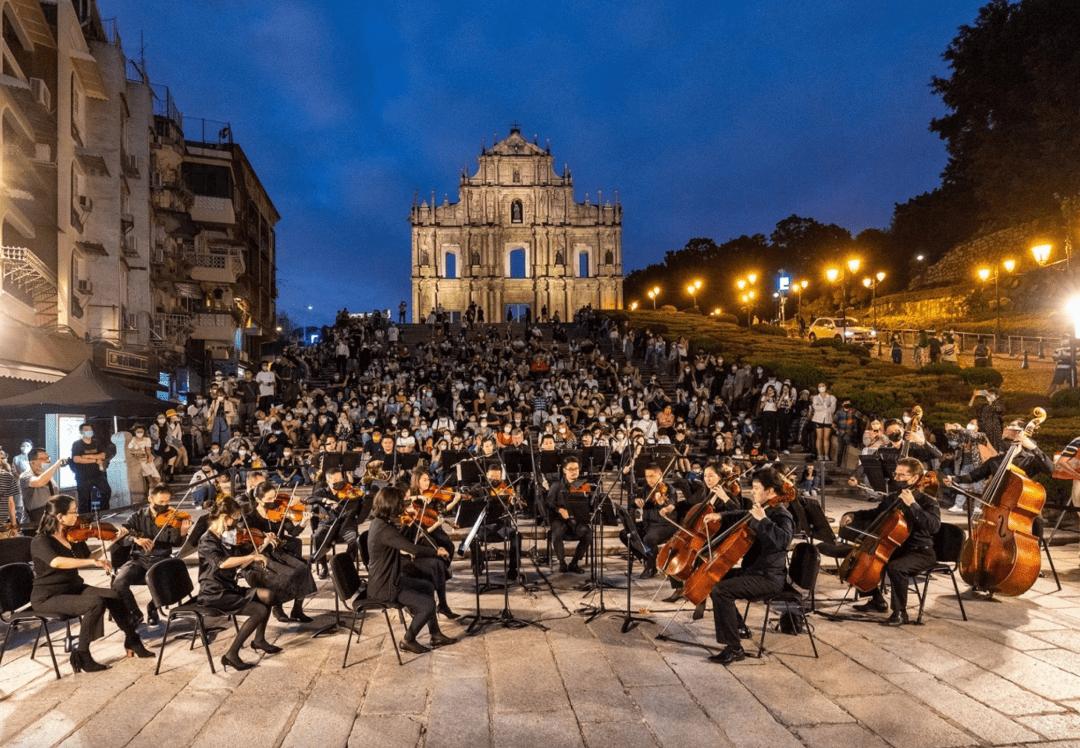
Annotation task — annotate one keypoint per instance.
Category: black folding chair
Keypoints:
(346, 584)
(828, 543)
(170, 584)
(15, 550)
(16, 586)
(803, 573)
(1038, 529)
(948, 543)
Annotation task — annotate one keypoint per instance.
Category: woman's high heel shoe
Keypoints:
(83, 661)
(237, 664)
(265, 647)
(134, 646)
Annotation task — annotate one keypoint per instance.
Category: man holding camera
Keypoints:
(36, 485)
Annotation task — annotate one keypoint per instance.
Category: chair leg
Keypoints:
(348, 639)
(3, 643)
(809, 629)
(48, 640)
(393, 639)
(1046, 547)
(956, 589)
(921, 595)
(164, 639)
(764, 627)
(205, 641)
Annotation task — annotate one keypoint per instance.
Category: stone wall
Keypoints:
(961, 263)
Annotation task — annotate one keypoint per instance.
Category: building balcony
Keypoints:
(215, 267)
(213, 210)
(214, 326)
(169, 329)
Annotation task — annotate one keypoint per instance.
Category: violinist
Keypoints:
(498, 526)
(764, 566)
(155, 530)
(563, 522)
(218, 587)
(59, 589)
(289, 576)
(424, 492)
(660, 511)
(1030, 459)
(388, 580)
(338, 503)
(916, 554)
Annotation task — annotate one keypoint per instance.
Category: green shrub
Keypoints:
(705, 345)
(803, 376)
(763, 329)
(943, 367)
(730, 319)
(1067, 398)
(852, 348)
(978, 377)
(874, 404)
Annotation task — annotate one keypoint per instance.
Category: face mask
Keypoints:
(243, 452)
(760, 371)
(720, 424)
(26, 450)
(214, 451)
(907, 419)
(160, 509)
(602, 419)
(160, 421)
(338, 485)
(139, 434)
(821, 390)
(286, 455)
(895, 436)
(506, 430)
(88, 434)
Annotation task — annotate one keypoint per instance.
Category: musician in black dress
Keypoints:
(764, 566)
(287, 575)
(568, 517)
(387, 580)
(443, 501)
(218, 587)
(149, 544)
(661, 507)
(58, 588)
(337, 504)
(916, 554)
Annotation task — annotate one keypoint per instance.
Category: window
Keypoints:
(517, 263)
(517, 176)
(208, 180)
(515, 212)
(583, 265)
(451, 265)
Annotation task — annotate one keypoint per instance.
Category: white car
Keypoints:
(838, 327)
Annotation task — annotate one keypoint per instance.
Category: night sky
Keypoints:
(711, 119)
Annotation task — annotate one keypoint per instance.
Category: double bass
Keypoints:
(726, 550)
(1002, 554)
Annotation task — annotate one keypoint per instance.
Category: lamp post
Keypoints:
(747, 284)
(984, 274)
(692, 289)
(800, 286)
(653, 294)
(833, 274)
(872, 284)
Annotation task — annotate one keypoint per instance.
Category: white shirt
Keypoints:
(266, 380)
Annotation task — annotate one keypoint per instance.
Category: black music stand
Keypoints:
(874, 470)
(316, 556)
(633, 544)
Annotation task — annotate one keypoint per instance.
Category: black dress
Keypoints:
(218, 587)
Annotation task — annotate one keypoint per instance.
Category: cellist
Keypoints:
(764, 566)
(916, 554)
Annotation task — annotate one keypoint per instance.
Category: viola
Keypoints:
(172, 518)
(725, 550)
(83, 530)
(250, 537)
(439, 494)
(1002, 554)
(348, 493)
(580, 487)
(282, 508)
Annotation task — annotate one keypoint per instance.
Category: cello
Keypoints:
(1002, 554)
(676, 556)
(726, 550)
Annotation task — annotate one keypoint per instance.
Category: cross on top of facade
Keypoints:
(515, 127)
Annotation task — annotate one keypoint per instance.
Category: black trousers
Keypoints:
(86, 488)
(903, 564)
(489, 534)
(653, 536)
(133, 572)
(430, 570)
(417, 595)
(737, 585)
(560, 528)
(90, 605)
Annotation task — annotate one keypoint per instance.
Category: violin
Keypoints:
(248, 537)
(726, 550)
(172, 518)
(1002, 554)
(419, 512)
(348, 493)
(83, 530)
(440, 494)
(580, 487)
(282, 509)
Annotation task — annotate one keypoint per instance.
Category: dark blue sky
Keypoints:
(711, 118)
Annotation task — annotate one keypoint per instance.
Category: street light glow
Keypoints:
(633, 307)
(1009, 265)
(804, 284)
(984, 274)
(1041, 253)
(832, 274)
(880, 276)
(752, 278)
(853, 264)
(741, 284)
(866, 282)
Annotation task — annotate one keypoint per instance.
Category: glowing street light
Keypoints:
(653, 294)
(752, 277)
(692, 289)
(741, 284)
(1041, 252)
(799, 287)
(633, 307)
(984, 275)
(872, 284)
(832, 274)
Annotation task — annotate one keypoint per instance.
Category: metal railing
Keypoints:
(1008, 345)
(163, 326)
(213, 319)
(232, 261)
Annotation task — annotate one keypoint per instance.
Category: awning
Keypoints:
(189, 290)
(33, 20)
(86, 68)
(31, 353)
(92, 164)
(93, 248)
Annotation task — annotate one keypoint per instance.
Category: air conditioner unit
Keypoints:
(86, 203)
(84, 286)
(41, 92)
(155, 179)
(131, 321)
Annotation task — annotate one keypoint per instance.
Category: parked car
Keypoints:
(838, 327)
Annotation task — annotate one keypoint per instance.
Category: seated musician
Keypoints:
(660, 511)
(442, 501)
(150, 544)
(918, 448)
(283, 536)
(916, 554)
(497, 525)
(58, 588)
(563, 522)
(388, 580)
(337, 503)
(219, 565)
(763, 570)
(1030, 458)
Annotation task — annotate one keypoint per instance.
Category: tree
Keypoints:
(1013, 127)
(804, 246)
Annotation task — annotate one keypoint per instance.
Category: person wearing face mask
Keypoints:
(337, 505)
(289, 470)
(822, 413)
(149, 544)
(140, 448)
(917, 446)
(88, 459)
(286, 574)
(1030, 459)
(197, 413)
(916, 554)
(222, 414)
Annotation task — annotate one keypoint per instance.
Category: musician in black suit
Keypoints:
(916, 554)
(661, 508)
(564, 522)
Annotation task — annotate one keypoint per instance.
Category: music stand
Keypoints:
(633, 544)
(468, 472)
(874, 470)
(316, 556)
(479, 620)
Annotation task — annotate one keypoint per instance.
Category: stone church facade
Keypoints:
(516, 240)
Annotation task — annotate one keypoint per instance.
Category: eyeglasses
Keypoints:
(67, 514)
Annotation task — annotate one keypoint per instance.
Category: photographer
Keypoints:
(36, 484)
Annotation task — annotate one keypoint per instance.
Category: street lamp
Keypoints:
(1041, 253)
(653, 294)
(872, 284)
(692, 289)
(800, 286)
(633, 307)
(984, 275)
